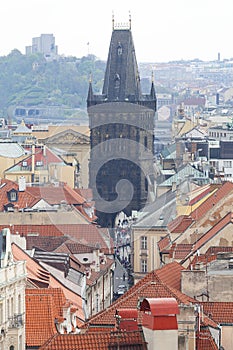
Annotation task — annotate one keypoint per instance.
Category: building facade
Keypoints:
(44, 44)
(12, 297)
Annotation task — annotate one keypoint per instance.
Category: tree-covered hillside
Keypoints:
(30, 80)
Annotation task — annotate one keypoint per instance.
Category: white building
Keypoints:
(12, 297)
(44, 44)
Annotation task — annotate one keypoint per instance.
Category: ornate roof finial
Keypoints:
(90, 77)
(152, 76)
(112, 20)
(129, 20)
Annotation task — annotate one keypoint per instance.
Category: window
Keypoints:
(11, 307)
(19, 304)
(227, 164)
(1, 313)
(143, 242)
(119, 50)
(39, 163)
(143, 265)
(12, 195)
(36, 178)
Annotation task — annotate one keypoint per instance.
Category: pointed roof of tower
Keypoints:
(122, 79)
(121, 75)
(90, 91)
(152, 90)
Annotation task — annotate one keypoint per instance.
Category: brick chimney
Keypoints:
(159, 323)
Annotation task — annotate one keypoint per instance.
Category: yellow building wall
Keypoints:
(151, 254)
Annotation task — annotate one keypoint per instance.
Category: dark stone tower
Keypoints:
(122, 133)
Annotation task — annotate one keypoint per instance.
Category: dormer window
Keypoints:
(39, 163)
(12, 195)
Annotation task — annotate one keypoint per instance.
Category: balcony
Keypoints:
(16, 321)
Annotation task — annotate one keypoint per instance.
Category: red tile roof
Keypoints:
(63, 193)
(41, 278)
(42, 154)
(97, 341)
(46, 243)
(203, 258)
(180, 224)
(85, 234)
(86, 193)
(206, 237)
(214, 250)
(205, 341)
(35, 230)
(206, 190)
(210, 255)
(222, 192)
(154, 285)
(219, 312)
(164, 243)
(55, 195)
(25, 199)
(180, 251)
(36, 273)
(185, 251)
(42, 307)
(170, 274)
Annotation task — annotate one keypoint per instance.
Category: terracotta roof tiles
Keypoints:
(39, 329)
(205, 341)
(219, 312)
(170, 274)
(180, 224)
(97, 341)
(180, 251)
(84, 234)
(46, 243)
(41, 278)
(227, 219)
(222, 192)
(164, 243)
(24, 198)
(153, 285)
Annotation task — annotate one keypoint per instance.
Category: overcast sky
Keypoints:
(163, 30)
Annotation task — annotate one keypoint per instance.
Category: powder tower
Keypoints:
(121, 121)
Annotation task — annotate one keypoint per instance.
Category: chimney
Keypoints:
(126, 320)
(159, 323)
(44, 150)
(33, 159)
(22, 183)
(173, 186)
(96, 254)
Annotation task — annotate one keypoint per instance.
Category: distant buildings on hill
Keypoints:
(44, 44)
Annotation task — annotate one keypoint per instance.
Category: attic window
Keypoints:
(24, 163)
(39, 163)
(12, 195)
(85, 259)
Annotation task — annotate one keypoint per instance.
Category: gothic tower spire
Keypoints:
(121, 123)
